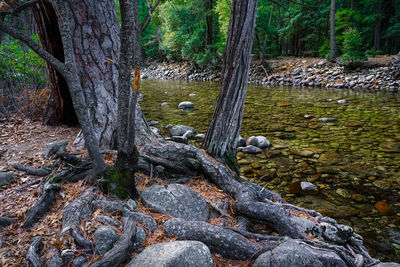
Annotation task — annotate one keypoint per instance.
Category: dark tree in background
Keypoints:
(224, 129)
(332, 35)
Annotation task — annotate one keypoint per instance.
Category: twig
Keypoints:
(218, 209)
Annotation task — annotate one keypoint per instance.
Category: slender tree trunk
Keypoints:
(332, 53)
(378, 26)
(209, 21)
(223, 132)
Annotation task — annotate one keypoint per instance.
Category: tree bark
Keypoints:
(59, 108)
(209, 22)
(332, 42)
(223, 132)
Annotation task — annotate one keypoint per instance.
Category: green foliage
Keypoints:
(352, 46)
(18, 64)
(120, 183)
(324, 50)
(223, 10)
(372, 52)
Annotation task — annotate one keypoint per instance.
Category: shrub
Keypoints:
(352, 49)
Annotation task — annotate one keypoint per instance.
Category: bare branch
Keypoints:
(147, 19)
(8, 28)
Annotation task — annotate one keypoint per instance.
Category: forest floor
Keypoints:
(25, 141)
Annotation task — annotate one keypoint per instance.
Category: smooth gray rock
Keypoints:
(180, 130)
(174, 254)
(327, 119)
(387, 264)
(176, 200)
(185, 105)
(200, 136)
(297, 253)
(258, 141)
(104, 239)
(218, 239)
(241, 141)
(188, 134)
(251, 150)
(6, 178)
(156, 131)
(307, 186)
(79, 261)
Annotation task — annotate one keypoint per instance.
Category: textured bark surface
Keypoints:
(122, 248)
(95, 37)
(33, 255)
(59, 107)
(221, 136)
(332, 41)
(43, 205)
(219, 240)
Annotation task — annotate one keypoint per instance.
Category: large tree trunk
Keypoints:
(95, 35)
(223, 132)
(332, 53)
(59, 107)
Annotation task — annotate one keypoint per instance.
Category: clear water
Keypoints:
(361, 149)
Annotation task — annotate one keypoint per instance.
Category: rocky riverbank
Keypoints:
(378, 74)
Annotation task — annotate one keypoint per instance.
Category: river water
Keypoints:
(354, 159)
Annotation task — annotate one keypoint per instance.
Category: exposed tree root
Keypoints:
(255, 204)
(32, 171)
(219, 240)
(43, 205)
(32, 257)
(122, 248)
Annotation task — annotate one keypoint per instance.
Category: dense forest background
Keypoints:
(196, 31)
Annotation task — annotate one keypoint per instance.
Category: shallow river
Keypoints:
(354, 160)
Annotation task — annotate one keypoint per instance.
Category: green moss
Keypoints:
(120, 183)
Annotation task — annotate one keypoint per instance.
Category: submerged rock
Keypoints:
(251, 150)
(185, 105)
(174, 254)
(180, 130)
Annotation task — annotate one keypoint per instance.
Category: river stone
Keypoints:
(327, 119)
(258, 141)
(331, 158)
(241, 141)
(299, 254)
(176, 200)
(343, 193)
(200, 136)
(104, 239)
(6, 178)
(251, 150)
(180, 130)
(174, 254)
(185, 105)
(188, 134)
